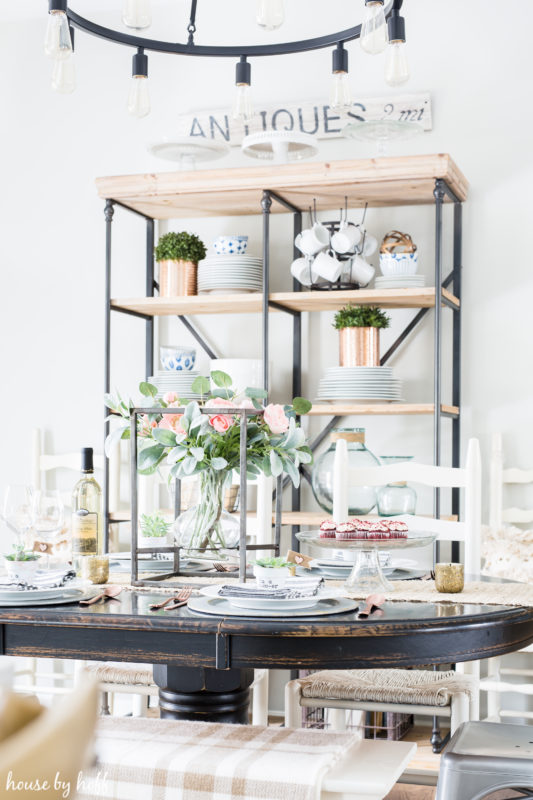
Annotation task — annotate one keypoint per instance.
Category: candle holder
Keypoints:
(95, 568)
(449, 578)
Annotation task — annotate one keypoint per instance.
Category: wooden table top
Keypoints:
(408, 634)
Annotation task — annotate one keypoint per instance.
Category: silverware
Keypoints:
(109, 592)
(224, 567)
(373, 604)
(181, 597)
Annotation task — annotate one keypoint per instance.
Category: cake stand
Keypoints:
(366, 575)
(280, 146)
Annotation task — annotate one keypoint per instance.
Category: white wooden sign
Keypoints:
(317, 118)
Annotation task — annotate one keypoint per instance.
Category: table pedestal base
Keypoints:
(204, 695)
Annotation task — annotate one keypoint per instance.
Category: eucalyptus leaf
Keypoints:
(150, 456)
(200, 385)
(164, 436)
(255, 393)
(221, 379)
(219, 463)
(276, 464)
(176, 454)
(147, 389)
(301, 405)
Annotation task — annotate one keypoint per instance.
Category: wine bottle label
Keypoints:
(84, 532)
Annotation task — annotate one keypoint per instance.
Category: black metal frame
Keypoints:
(442, 190)
(192, 49)
(242, 414)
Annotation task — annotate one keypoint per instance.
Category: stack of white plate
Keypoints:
(230, 274)
(179, 382)
(368, 384)
(399, 282)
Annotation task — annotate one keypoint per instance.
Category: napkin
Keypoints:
(294, 588)
(42, 579)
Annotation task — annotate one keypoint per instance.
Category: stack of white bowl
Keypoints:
(230, 270)
(399, 271)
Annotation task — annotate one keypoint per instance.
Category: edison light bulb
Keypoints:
(340, 98)
(64, 75)
(137, 14)
(242, 106)
(374, 28)
(270, 14)
(139, 98)
(396, 66)
(57, 41)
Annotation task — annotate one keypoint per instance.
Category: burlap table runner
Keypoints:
(148, 758)
(423, 591)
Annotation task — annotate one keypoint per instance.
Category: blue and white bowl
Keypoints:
(177, 359)
(394, 264)
(230, 245)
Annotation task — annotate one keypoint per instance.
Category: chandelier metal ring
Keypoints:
(250, 51)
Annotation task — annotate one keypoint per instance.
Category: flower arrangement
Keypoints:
(196, 442)
(360, 317)
(274, 562)
(181, 246)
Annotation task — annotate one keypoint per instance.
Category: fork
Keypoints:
(224, 567)
(181, 597)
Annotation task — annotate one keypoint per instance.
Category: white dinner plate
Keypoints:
(267, 603)
(66, 595)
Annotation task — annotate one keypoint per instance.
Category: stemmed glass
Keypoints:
(19, 512)
(48, 520)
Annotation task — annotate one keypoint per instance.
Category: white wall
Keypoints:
(51, 308)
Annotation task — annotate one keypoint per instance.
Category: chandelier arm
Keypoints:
(191, 27)
(251, 51)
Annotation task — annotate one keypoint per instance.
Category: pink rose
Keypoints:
(276, 419)
(170, 397)
(146, 425)
(220, 422)
(172, 422)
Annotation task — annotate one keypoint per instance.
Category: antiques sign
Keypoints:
(317, 119)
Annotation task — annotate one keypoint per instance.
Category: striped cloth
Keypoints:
(150, 759)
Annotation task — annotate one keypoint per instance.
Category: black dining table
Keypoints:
(204, 664)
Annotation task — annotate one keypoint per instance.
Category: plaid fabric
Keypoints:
(150, 759)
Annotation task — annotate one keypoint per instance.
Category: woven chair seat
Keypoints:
(120, 673)
(415, 687)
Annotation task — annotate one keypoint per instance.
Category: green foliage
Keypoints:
(20, 554)
(361, 317)
(153, 525)
(180, 247)
(273, 562)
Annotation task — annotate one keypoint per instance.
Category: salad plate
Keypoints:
(272, 603)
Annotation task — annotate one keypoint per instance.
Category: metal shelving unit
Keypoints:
(410, 180)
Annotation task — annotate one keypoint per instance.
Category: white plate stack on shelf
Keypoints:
(399, 282)
(230, 270)
(179, 382)
(360, 384)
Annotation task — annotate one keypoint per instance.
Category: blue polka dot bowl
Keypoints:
(230, 245)
(177, 359)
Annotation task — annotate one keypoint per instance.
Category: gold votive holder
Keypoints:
(449, 578)
(95, 568)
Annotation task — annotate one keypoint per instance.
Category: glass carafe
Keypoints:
(361, 499)
(396, 498)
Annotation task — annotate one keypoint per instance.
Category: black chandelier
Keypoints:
(382, 28)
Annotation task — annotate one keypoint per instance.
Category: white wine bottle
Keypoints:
(87, 534)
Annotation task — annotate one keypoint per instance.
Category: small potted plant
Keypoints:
(178, 255)
(359, 328)
(272, 573)
(21, 564)
(154, 531)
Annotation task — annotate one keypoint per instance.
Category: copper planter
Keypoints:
(177, 278)
(359, 347)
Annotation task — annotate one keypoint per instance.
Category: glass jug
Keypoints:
(396, 498)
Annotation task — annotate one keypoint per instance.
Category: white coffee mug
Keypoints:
(312, 240)
(370, 245)
(346, 238)
(302, 270)
(327, 267)
(361, 272)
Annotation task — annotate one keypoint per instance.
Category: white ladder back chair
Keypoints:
(468, 478)
(499, 478)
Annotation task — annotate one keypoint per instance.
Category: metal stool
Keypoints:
(483, 757)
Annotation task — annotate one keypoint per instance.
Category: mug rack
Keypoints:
(344, 282)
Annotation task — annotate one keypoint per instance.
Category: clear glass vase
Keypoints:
(361, 499)
(205, 530)
(396, 498)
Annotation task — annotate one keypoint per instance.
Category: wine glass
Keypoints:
(47, 520)
(19, 512)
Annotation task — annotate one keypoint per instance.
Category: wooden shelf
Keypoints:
(295, 301)
(397, 181)
(383, 409)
